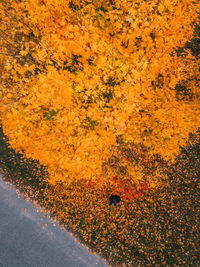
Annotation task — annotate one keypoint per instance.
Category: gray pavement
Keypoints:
(25, 241)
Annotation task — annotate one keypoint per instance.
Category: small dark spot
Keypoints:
(114, 199)
(152, 35)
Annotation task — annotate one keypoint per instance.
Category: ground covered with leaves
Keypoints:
(156, 227)
(156, 222)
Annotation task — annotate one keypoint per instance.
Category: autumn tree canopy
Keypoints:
(76, 75)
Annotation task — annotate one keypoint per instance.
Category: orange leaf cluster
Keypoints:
(78, 74)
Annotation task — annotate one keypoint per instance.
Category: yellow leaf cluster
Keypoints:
(77, 76)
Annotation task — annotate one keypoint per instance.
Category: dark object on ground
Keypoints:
(114, 199)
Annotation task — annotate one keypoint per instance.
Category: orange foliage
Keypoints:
(78, 74)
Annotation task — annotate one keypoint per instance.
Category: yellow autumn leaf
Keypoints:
(23, 52)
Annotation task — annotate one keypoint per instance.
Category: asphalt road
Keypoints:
(25, 241)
